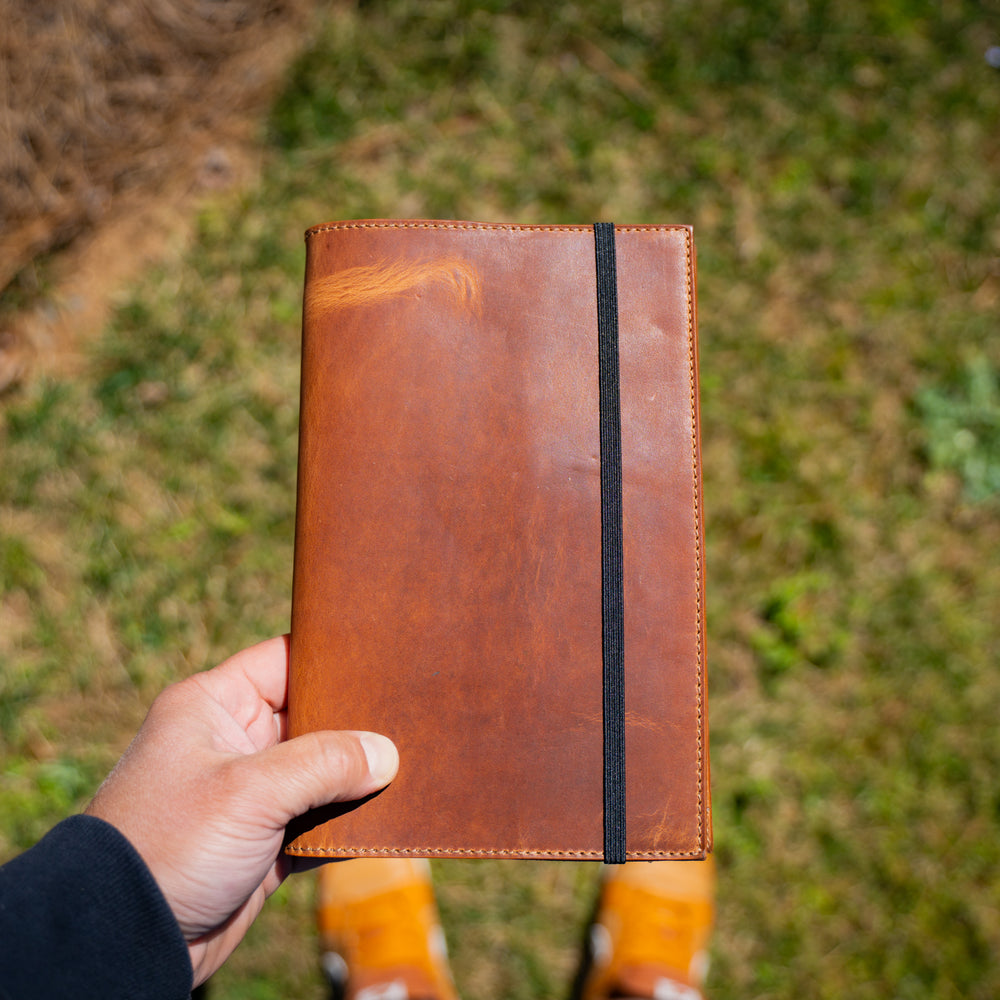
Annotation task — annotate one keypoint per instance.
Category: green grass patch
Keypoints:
(963, 429)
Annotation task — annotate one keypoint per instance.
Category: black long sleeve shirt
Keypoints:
(82, 918)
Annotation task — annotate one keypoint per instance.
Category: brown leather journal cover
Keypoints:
(448, 555)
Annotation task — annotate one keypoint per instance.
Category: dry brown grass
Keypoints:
(109, 106)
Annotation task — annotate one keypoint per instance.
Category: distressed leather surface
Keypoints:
(447, 583)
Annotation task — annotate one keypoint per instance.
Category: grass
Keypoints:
(839, 163)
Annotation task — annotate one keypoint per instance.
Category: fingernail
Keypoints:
(383, 758)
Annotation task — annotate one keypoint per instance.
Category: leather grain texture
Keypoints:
(447, 582)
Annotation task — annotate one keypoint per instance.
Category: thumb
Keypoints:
(315, 769)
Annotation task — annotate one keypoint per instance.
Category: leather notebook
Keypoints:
(498, 555)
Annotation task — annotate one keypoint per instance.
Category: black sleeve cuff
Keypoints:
(81, 916)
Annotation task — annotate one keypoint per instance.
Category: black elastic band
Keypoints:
(612, 559)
